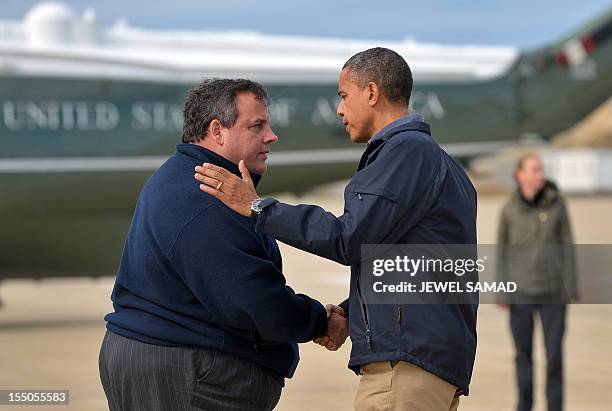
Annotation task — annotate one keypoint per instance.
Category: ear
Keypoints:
(373, 93)
(214, 130)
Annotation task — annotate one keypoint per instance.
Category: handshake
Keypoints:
(337, 328)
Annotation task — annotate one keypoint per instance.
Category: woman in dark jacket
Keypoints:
(544, 271)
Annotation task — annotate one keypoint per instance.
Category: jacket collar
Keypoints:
(399, 125)
(412, 122)
(549, 194)
(204, 155)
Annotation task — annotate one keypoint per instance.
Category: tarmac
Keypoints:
(51, 330)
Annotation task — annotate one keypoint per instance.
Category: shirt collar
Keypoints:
(204, 155)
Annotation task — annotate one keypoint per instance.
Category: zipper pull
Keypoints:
(399, 314)
(369, 337)
(359, 196)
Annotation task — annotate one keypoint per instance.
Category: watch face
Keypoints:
(255, 206)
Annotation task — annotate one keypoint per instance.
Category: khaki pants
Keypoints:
(402, 386)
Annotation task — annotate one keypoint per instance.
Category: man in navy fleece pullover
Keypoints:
(202, 315)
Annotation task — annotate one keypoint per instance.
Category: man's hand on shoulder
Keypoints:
(235, 192)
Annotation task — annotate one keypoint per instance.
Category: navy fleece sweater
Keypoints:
(195, 273)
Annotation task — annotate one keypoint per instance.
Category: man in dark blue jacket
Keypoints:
(202, 316)
(406, 190)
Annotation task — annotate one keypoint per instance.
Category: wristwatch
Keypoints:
(255, 207)
(259, 204)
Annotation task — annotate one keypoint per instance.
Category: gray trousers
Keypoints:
(139, 376)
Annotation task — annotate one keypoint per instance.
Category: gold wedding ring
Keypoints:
(219, 185)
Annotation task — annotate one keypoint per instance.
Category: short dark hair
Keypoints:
(215, 99)
(384, 67)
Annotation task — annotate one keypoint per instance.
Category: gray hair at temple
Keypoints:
(215, 99)
(384, 67)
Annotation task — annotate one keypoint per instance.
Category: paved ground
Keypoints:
(50, 332)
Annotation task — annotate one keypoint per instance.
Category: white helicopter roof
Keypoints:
(53, 40)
